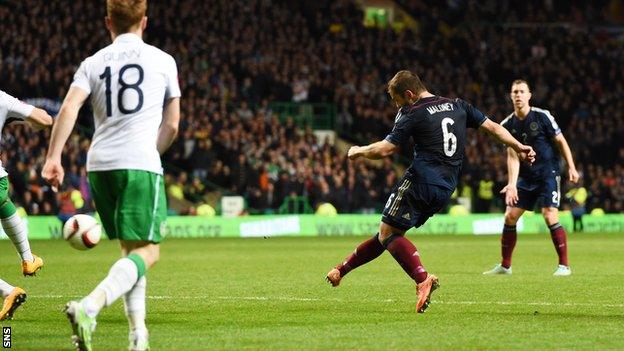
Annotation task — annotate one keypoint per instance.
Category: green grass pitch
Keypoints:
(270, 294)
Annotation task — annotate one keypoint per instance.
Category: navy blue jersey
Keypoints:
(438, 127)
(538, 130)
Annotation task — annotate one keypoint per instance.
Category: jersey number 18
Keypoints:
(124, 86)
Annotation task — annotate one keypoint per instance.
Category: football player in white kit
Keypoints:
(12, 110)
(135, 97)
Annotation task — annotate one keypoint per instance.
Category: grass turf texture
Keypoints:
(270, 294)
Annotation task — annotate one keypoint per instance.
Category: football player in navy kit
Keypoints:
(438, 128)
(536, 184)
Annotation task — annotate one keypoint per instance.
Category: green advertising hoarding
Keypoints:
(47, 227)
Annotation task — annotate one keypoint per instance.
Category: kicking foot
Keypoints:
(424, 291)
(562, 271)
(499, 269)
(12, 302)
(333, 277)
(83, 326)
(31, 268)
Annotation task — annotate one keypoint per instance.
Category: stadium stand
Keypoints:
(242, 61)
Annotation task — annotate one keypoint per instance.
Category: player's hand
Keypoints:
(511, 195)
(354, 152)
(573, 175)
(53, 173)
(526, 153)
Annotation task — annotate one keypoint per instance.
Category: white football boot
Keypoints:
(499, 269)
(562, 271)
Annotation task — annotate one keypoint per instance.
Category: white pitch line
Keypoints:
(312, 299)
(505, 303)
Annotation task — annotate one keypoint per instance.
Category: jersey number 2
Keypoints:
(123, 87)
(450, 140)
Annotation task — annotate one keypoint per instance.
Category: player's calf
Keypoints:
(367, 251)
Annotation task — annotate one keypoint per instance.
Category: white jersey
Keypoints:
(11, 110)
(129, 82)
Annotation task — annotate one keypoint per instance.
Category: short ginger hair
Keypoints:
(124, 14)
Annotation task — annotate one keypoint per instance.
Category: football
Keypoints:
(82, 232)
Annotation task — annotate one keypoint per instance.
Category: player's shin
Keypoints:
(406, 254)
(364, 253)
(134, 305)
(5, 288)
(16, 230)
(508, 243)
(559, 239)
(122, 276)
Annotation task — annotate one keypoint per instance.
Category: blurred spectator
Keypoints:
(251, 54)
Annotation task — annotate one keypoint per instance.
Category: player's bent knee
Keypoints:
(151, 254)
(386, 231)
(551, 215)
(511, 218)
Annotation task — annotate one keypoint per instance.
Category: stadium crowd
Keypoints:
(236, 57)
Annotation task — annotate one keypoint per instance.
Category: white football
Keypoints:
(82, 232)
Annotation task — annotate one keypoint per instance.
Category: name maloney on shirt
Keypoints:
(440, 108)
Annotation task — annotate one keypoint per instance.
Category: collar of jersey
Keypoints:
(525, 118)
(128, 37)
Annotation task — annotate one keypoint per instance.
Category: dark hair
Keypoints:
(405, 80)
(521, 81)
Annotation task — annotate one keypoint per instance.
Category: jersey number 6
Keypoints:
(450, 140)
(123, 87)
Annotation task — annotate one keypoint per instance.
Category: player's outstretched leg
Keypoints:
(123, 275)
(13, 297)
(406, 254)
(559, 239)
(364, 253)
(17, 231)
(134, 305)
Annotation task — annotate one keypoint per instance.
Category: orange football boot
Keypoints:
(333, 277)
(424, 291)
(31, 268)
(12, 302)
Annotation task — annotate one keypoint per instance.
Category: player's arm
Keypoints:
(53, 170)
(373, 151)
(524, 152)
(39, 119)
(513, 170)
(169, 127)
(564, 150)
(20, 112)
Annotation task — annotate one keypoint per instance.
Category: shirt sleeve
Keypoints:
(16, 109)
(81, 77)
(550, 125)
(173, 85)
(402, 130)
(474, 117)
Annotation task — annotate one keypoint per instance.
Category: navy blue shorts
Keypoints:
(410, 205)
(545, 192)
